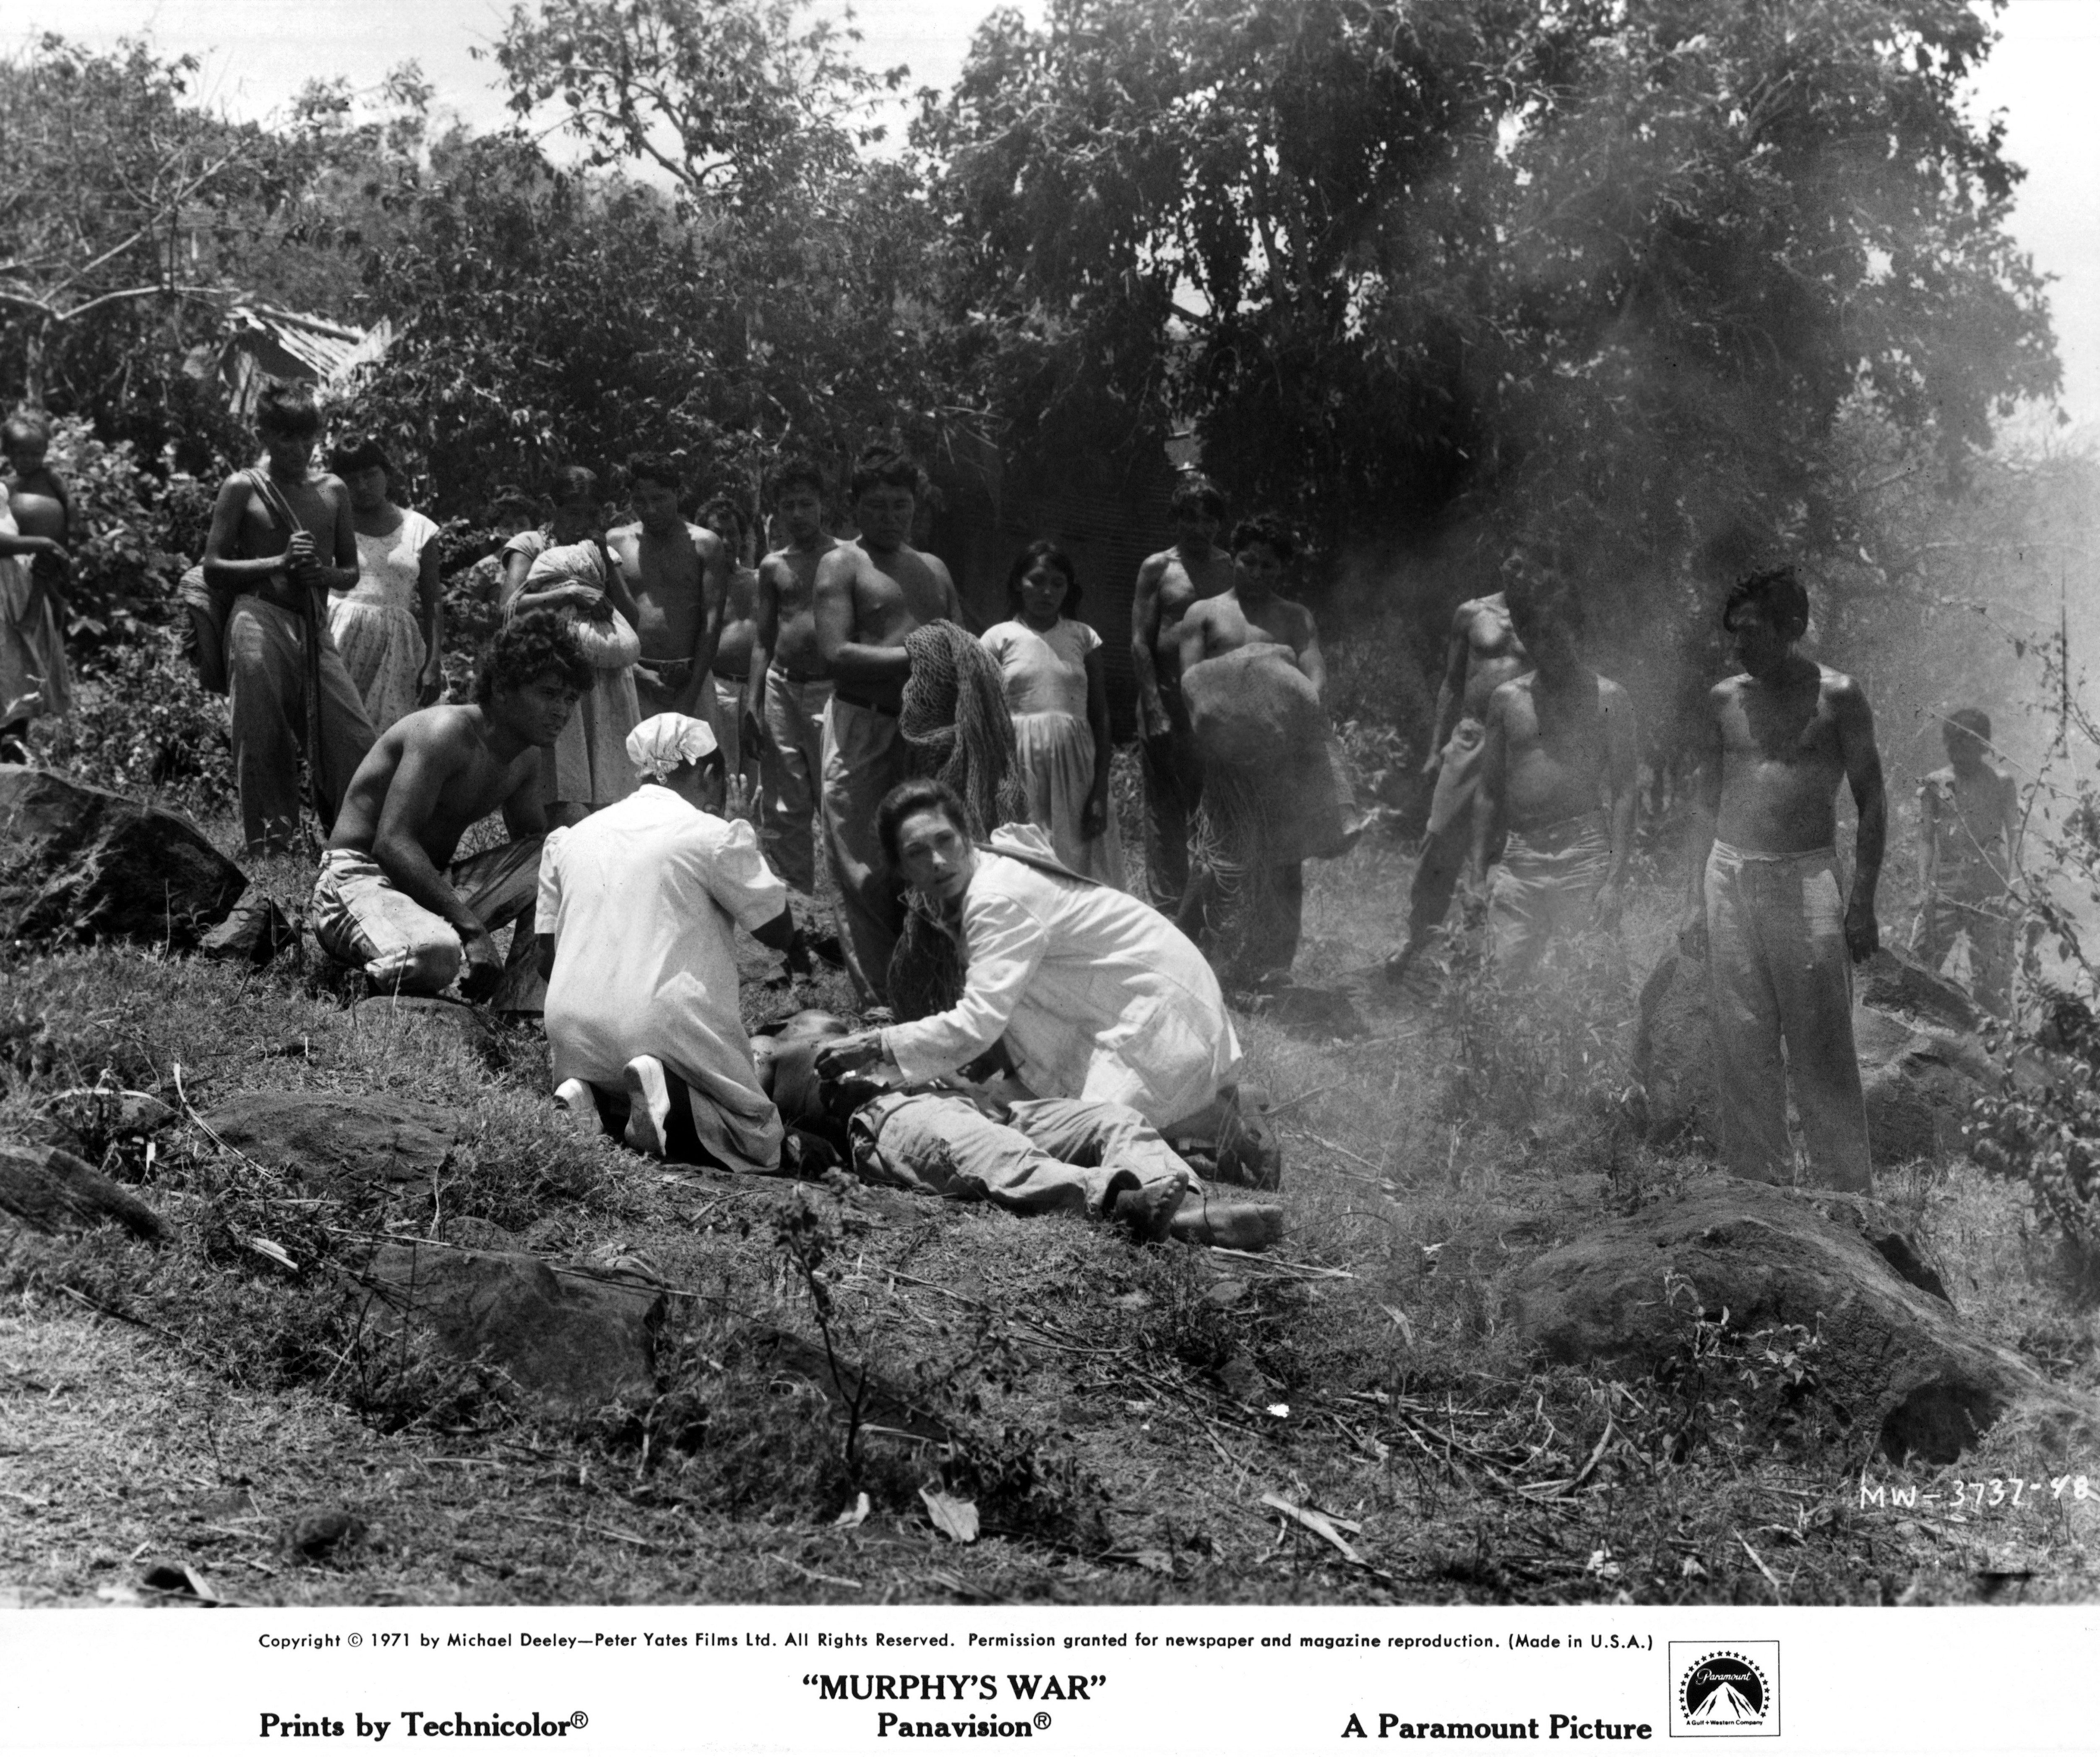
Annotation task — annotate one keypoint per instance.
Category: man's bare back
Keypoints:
(788, 607)
(456, 778)
(866, 603)
(1563, 754)
(1784, 747)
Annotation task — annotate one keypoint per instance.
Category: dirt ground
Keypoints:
(205, 1420)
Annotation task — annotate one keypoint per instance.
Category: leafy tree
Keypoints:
(116, 190)
(768, 285)
(1415, 266)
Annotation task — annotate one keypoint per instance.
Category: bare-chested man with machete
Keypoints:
(870, 596)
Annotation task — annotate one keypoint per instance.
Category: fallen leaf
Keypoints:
(953, 1518)
(856, 1514)
(274, 1251)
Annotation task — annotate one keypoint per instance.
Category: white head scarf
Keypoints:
(663, 742)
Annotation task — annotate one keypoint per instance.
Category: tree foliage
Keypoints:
(769, 285)
(1615, 268)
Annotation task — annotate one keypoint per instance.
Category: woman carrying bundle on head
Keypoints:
(564, 567)
(1051, 663)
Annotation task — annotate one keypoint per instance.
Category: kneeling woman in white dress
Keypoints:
(389, 627)
(638, 908)
(1051, 665)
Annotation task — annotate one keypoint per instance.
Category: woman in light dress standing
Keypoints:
(1052, 663)
(35, 527)
(389, 626)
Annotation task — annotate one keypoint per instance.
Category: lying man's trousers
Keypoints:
(1545, 888)
(1053, 1155)
(360, 918)
(1779, 974)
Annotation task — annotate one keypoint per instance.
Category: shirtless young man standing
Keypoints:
(1968, 837)
(1167, 584)
(678, 573)
(282, 538)
(388, 899)
(1252, 611)
(1780, 938)
(1481, 654)
(789, 681)
(1557, 767)
(869, 596)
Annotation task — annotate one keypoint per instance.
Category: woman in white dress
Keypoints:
(1052, 663)
(389, 627)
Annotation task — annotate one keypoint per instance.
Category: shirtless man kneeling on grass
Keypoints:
(389, 901)
(1781, 937)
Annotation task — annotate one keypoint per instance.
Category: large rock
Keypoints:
(1921, 1062)
(573, 1340)
(77, 863)
(334, 1143)
(1894, 1355)
(53, 1191)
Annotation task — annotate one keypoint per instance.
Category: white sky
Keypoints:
(2044, 75)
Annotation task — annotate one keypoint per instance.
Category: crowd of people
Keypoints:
(671, 724)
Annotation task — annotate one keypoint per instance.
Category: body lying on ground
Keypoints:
(998, 1143)
(638, 906)
(389, 899)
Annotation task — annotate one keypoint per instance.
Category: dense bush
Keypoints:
(142, 724)
(124, 563)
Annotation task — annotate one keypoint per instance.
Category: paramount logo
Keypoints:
(1724, 1692)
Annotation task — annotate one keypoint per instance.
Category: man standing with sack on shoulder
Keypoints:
(282, 539)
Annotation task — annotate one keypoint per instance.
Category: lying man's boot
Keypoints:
(648, 1106)
(578, 1105)
(1238, 1226)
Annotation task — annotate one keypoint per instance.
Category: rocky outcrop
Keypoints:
(78, 864)
(569, 1339)
(333, 1143)
(53, 1191)
(1892, 1355)
(1920, 1062)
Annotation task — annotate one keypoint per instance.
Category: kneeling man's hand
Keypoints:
(842, 1055)
(484, 966)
